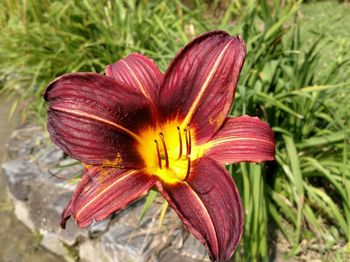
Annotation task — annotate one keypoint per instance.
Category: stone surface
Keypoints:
(51, 242)
(40, 189)
(18, 243)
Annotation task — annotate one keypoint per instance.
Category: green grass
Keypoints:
(44, 39)
(295, 77)
(286, 82)
(329, 19)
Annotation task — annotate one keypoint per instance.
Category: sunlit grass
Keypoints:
(45, 39)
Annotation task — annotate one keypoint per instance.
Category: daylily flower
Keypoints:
(135, 129)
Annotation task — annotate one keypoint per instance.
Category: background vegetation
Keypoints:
(295, 77)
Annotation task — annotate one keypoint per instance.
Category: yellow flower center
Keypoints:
(168, 151)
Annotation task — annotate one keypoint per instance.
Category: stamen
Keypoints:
(188, 167)
(158, 153)
(187, 145)
(165, 150)
(180, 141)
(189, 140)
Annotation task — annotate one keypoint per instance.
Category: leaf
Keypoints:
(148, 203)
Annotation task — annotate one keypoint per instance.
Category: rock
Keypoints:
(41, 189)
(19, 174)
(51, 242)
(38, 197)
(98, 228)
(22, 213)
(92, 251)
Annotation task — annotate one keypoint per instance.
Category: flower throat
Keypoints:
(170, 154)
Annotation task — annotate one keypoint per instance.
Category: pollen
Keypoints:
(168, 151)
(117, 162)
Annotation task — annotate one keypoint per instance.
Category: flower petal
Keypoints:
(103, 191)
(94, 118)
(139, 72)
(199, 85)
(243, 138)
(209, 204)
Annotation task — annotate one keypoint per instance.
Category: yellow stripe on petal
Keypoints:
(97, 118)
(204, 87)
(123, 177)
(241, 139)
(207, 218)
(231, 139)
(143, 90)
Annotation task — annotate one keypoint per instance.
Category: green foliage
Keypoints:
(306, 191)
(289, 79)
(42, 39)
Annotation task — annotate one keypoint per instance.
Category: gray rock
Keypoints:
(98, 228)
(39, 198)
(19, 174)
(51, 242)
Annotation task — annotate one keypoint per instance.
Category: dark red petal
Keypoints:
(242, 139)
(138, 72)
(94, 118)
(209, 204)
(85, 179)
(199, 85)
(103, 191)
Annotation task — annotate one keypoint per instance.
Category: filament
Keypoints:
(187, 144)
(188, 167)
(165, 150)
(189, 140)
(180, 141)
(158, 153)
(188, 149)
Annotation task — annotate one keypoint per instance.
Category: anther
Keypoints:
(165, 150)
(180, 141)
(158, 153)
